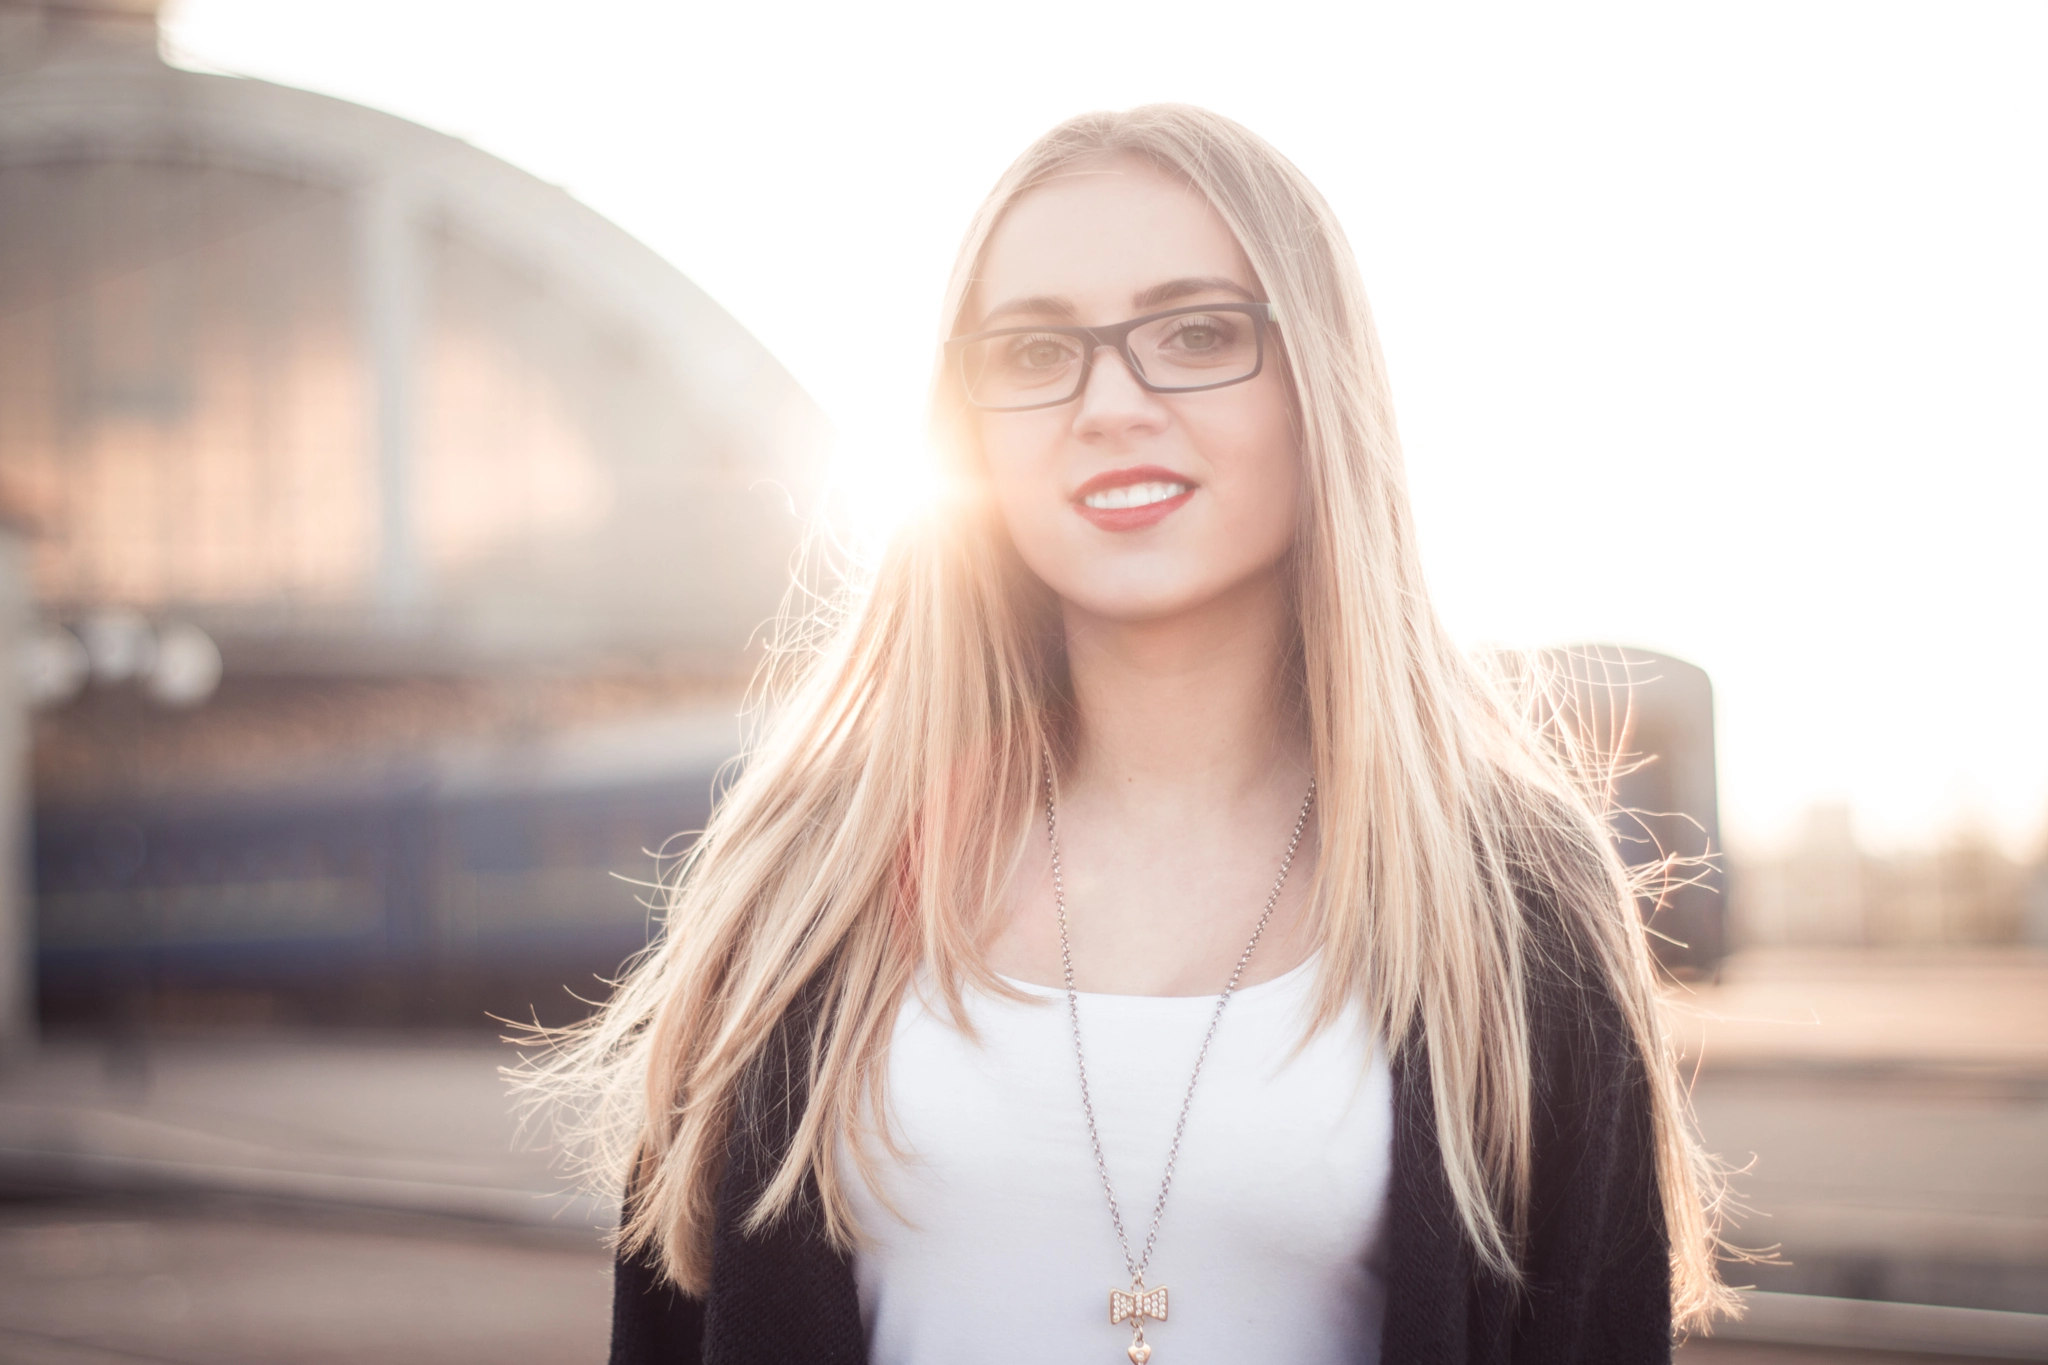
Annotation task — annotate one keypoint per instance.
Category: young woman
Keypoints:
(1140, 930)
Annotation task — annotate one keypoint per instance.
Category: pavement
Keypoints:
(1980, 1012)
(213, 1280)
(1887, 1120)
(404, 1122)
(222, 1198)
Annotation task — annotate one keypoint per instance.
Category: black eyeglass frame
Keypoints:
(1117, 336)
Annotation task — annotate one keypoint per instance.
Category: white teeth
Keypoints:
(1133, 495)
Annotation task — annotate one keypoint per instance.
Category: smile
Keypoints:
(1132, 499)
(1134, 495)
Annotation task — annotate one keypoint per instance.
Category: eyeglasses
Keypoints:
(1182, 350)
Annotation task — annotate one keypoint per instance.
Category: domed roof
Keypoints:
(351, 393)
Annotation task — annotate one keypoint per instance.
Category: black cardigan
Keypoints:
(1597, 1269)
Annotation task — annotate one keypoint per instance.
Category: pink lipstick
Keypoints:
(1132, 499)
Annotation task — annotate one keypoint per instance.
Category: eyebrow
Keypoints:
(1158, 295)
(1161, 294)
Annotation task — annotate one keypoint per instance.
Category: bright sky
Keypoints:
(1715, 329)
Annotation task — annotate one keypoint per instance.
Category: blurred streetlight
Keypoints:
(54, 665)
(186, 669)
(176, 665)
(120, 645)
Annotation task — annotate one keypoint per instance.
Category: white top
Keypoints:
(1004, 1251)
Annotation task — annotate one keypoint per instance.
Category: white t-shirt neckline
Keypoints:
(1271, 985)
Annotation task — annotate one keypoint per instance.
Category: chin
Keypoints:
(1140, 603)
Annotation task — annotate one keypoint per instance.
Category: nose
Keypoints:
(1114, 403)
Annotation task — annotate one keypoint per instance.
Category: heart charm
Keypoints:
(1140, 1352)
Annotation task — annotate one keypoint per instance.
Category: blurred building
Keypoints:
(1824, 889)
(397, 527)
(1643, 724)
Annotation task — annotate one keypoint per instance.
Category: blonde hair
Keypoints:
(881, 811)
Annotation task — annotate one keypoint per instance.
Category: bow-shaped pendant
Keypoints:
(1137, 1304)
(1134, 1306)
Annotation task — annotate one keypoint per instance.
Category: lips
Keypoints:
(1131, 499)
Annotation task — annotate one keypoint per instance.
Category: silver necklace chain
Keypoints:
(1137, 1265)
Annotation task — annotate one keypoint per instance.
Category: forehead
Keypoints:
(1097, 235)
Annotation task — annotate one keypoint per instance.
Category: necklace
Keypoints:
(1138, 1303)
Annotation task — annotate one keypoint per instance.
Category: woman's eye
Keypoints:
(1040, 353)
(1201, 334)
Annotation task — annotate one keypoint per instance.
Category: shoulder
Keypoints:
(1588, 1002)
(1581, 957)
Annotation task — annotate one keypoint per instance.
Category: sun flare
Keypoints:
(879, 481)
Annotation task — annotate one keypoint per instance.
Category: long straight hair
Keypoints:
(881, 810)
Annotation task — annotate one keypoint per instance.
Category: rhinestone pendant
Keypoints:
(1134, 1305)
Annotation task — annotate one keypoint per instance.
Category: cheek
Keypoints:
(1022, 459)
(1258, 466)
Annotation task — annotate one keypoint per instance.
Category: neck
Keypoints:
(1186, 708)
(1190, 765)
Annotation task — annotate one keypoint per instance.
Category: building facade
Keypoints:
(368, 486)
